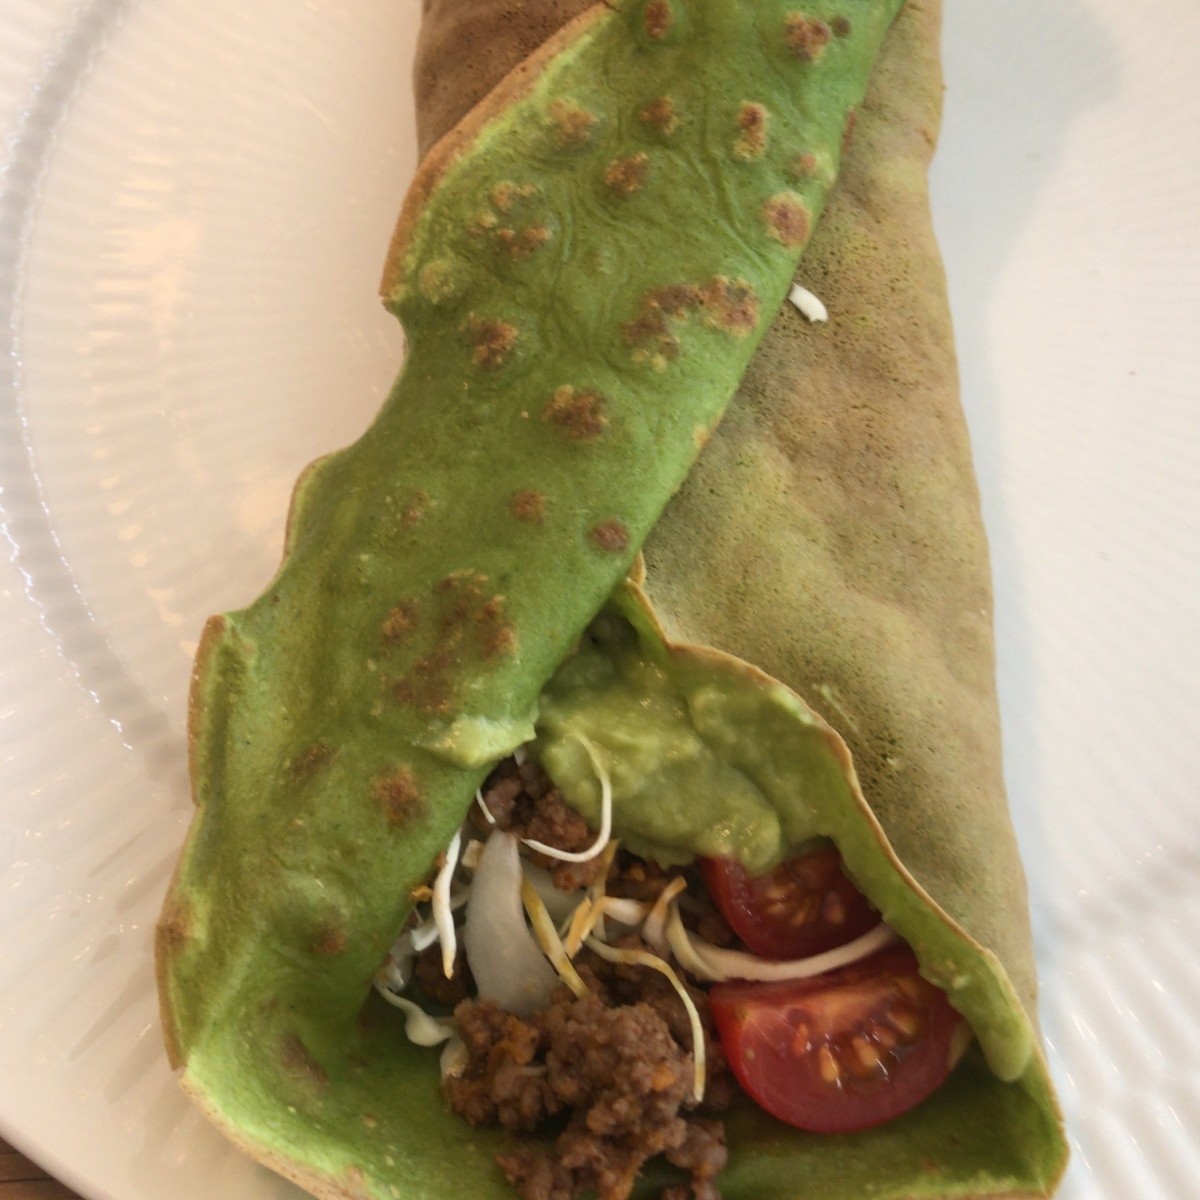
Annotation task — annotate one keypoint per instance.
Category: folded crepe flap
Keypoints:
(506, 87)
(839, 492)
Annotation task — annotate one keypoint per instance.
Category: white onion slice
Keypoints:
(503, 956)
(396, 971)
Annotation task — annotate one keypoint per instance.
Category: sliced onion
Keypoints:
(503, 956)
(589, 918)
(581, 923)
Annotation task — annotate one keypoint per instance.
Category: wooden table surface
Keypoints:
(21, 1180)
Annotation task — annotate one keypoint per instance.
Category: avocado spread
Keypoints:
(707, 755)
(686, 780)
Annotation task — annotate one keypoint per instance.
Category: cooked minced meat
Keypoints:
(523, 801)
(430, 977)
(637, 879)
(621, 983)
(616, 1069)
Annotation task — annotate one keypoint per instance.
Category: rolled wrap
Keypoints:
(830, 532)
(438, 572)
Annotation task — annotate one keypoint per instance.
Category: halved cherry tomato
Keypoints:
(804, 906)
(842, 1051)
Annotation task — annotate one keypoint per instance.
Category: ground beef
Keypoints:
(620, 983)
(616, 1071)
(431, 979)
(638, 879)
(523, 801)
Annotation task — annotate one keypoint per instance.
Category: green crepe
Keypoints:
(560, 381)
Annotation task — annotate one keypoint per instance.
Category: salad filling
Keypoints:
(623, 1006)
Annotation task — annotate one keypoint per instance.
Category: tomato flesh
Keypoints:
(842, 1051)
(805, 906)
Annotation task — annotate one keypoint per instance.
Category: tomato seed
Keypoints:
(830, 1071)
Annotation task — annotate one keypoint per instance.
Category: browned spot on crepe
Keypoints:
(491, 339)
(573, 125)
(308, 762)
(399, 622)
(660, 114)
(330, 939)
(610, 535)
(658, 17)
(578, 413)
(731, 306)
(625, 175)
(496, 632)
(399, 795)
(519, 244)
(528, 505)
(752, 136)
(300, 1064)
(807, 36)
(788, 218)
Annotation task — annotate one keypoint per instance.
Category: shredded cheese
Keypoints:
(487, 812)
(548, 939)
(716, 963)
(809, 305)
(588, 918)
(681, 947)
(602, 838)
(581, 924)
(419, 1027)
(623, 910)
(644, 958)
(654, 931)
(442, 913)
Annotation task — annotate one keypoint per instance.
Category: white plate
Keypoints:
(196, 203)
